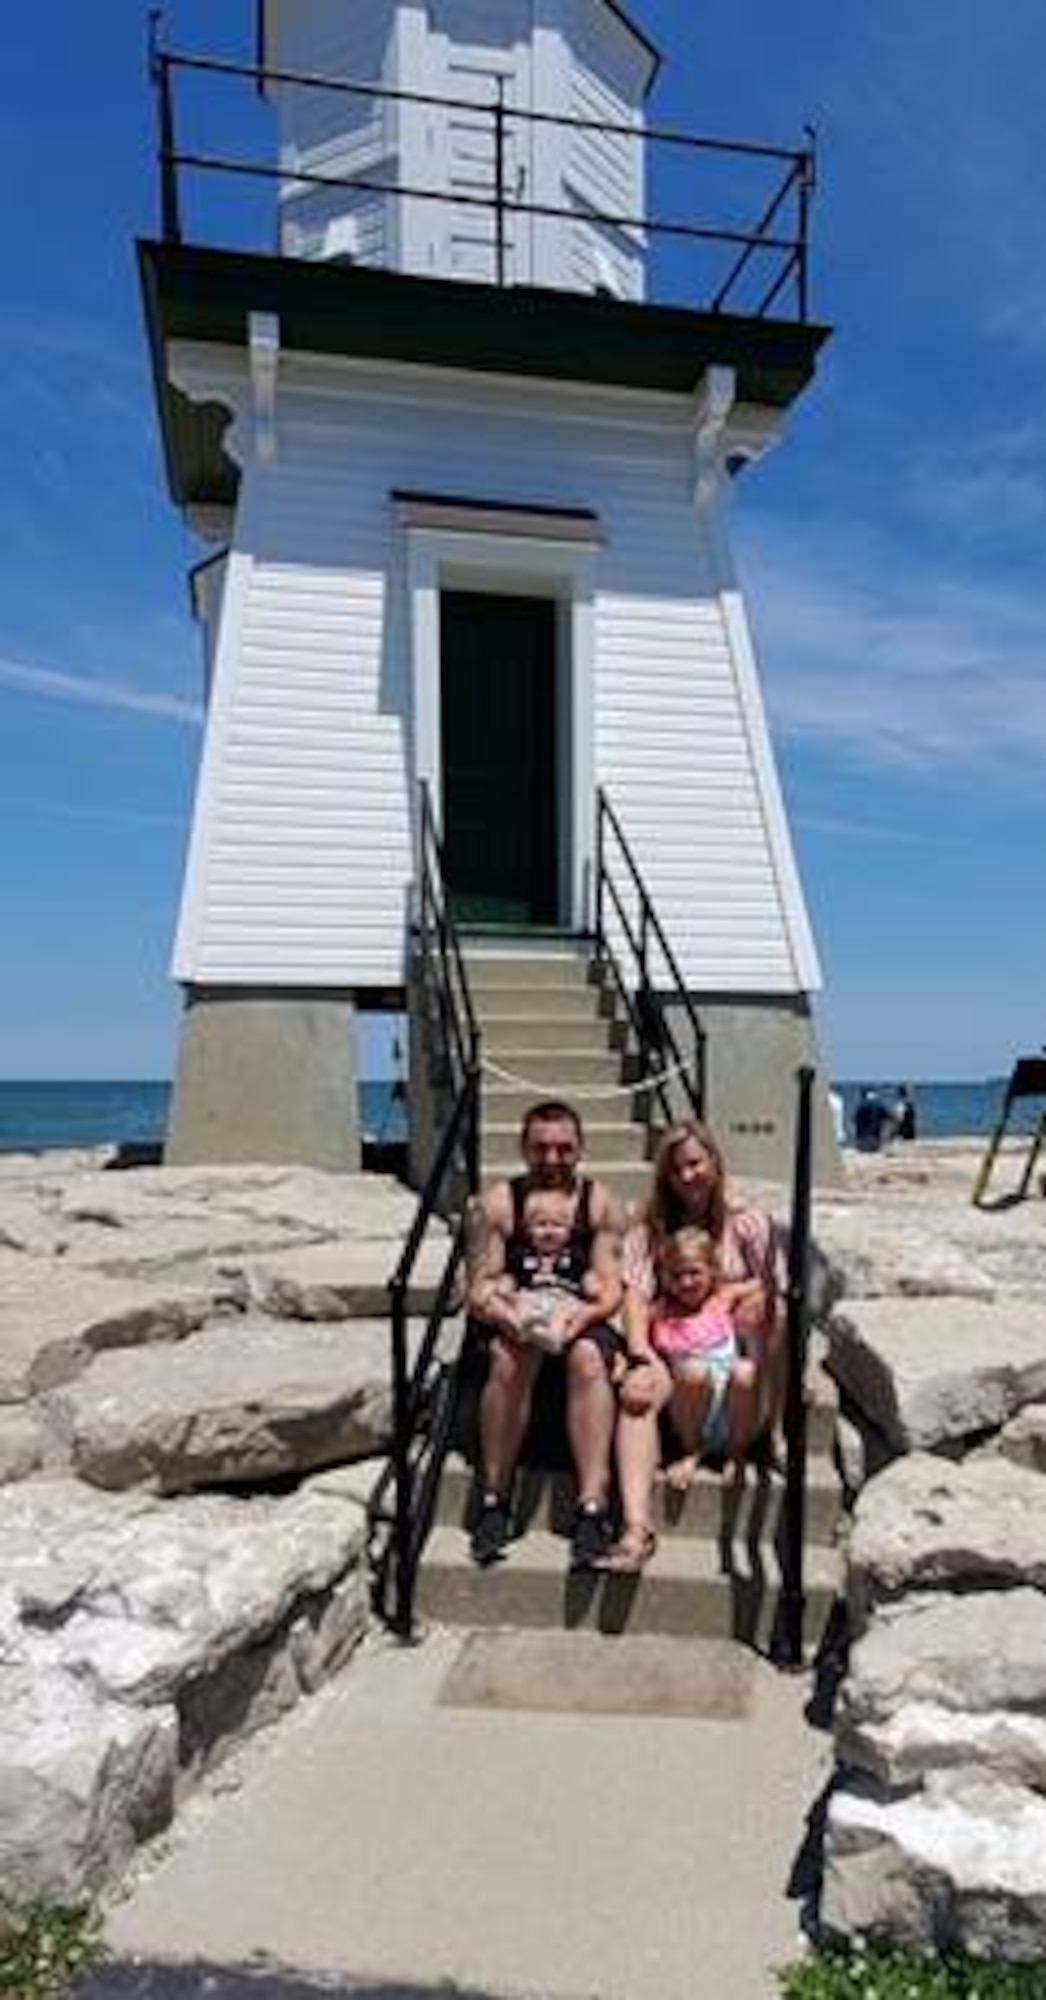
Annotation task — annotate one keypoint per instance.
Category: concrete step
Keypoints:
(574, 1070)
(571, 1035)
(718, 1507)
(537, 1003)
(688, 1589)
(560, 971)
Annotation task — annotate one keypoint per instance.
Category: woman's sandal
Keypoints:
(631, 1552)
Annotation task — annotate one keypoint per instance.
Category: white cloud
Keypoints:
(838, 827)
(892, 662)
(47, 684)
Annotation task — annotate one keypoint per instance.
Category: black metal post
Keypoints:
(160, 72)
(644, 990)
(599, 899)
(499, 179)
(807, 185)
(789, 1643)
(403, 1613)
(700, 1058)
(472, 1127)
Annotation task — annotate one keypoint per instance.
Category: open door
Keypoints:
(498, 717)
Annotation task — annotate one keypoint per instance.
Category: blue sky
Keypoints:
(892, 543)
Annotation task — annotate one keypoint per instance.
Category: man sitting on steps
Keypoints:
(551, 1142)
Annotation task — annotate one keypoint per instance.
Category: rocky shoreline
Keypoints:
(194, 1396)
(194, 1399)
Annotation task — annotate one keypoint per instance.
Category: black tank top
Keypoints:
(522, 1263)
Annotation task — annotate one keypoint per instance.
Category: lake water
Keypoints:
(35, 1116)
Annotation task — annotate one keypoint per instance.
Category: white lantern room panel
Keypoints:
(346, 137)
(481, 53)
(416, 182)
(603, 171)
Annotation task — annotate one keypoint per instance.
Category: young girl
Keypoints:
(692, 1329)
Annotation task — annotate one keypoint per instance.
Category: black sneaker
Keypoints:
(490, 1531)
(592, 1536)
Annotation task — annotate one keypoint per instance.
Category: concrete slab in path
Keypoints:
(383, 1835)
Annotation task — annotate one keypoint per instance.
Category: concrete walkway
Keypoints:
(381, 1834)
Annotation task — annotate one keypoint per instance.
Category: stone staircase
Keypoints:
(715, 1573)
(545, 1020)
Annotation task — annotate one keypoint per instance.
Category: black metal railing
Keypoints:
(788, 1639)
(424, 1392)
(769, 256)
(650, 986)
(449, 1017)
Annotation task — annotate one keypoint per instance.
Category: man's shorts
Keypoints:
(610, 1342)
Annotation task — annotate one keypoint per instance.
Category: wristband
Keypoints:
(637, 1361)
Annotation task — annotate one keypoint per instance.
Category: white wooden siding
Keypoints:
(301, 858)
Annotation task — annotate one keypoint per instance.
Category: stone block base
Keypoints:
(266, 1077)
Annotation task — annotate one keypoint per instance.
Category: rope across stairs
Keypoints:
(655, 1075)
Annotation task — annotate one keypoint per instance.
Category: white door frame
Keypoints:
(520, 565)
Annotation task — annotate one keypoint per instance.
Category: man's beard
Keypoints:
(554, 1174)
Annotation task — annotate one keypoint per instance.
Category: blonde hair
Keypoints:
(666, 1214)
(690, 1242)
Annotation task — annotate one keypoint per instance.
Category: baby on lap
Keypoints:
(550, 1272)
(692, 1329)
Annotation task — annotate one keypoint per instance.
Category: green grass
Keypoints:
(44, 1946)
(903, 1975)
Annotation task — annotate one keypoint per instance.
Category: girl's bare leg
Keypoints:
(691, 1401)
(742, 1403)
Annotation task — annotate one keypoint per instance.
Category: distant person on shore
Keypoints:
(874, 1122)
(904, 1114)
(552, 1143)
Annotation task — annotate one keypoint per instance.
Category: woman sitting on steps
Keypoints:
(689, 1191)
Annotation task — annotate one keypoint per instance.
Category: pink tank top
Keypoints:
(673, 1333)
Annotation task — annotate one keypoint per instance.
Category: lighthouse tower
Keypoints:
(462, 479)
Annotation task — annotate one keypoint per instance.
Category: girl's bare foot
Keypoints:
(681, 1474)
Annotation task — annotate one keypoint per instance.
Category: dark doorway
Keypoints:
(498, 720)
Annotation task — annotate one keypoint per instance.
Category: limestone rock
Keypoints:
(1023, 1439)
(961, 1865)
(923, 1738)
(138, 1598)
(22, 1445)
(84, 1781)
(926, 1522)
(890, 1255)
(338, 1280)
(54, 1319)
(931, 1372)
(239, 1403)
(971, 1652)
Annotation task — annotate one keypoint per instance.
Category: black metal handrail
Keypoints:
(441, 960)
(790, 250)
(646, 999)
(788, 1642)
(423, 1396)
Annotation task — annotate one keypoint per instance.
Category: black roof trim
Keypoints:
(409, 496)
(201, 294)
